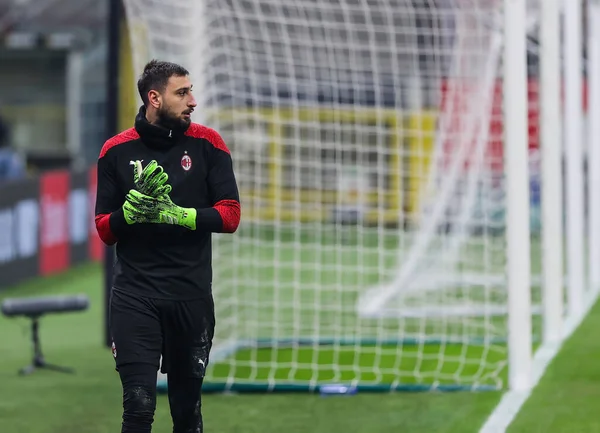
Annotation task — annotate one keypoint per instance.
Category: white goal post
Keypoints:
(400, 172)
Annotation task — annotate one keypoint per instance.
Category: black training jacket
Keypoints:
(160, 260)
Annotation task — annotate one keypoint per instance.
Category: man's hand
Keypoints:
(151, 180)
(141, 208)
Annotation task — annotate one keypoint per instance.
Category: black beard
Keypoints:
(168, 121)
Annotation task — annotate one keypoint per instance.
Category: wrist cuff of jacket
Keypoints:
(117, 222)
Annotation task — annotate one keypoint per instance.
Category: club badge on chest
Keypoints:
(186, 162)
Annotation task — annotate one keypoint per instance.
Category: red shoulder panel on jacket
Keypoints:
(123, 137)
(203, 132)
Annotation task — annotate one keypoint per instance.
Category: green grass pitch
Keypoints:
(90, 400)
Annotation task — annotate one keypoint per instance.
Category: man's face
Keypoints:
(177, 103)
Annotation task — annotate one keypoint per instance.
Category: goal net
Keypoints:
(367, 139)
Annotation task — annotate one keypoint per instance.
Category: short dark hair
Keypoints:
(156, 76)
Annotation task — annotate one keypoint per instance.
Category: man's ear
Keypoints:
(154, 99)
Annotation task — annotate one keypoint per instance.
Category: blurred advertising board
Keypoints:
(47, 225)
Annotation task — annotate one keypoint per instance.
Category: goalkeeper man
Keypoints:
(163, 187)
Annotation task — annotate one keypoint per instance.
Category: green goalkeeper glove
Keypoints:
(141, 208)
(140, 211)
(150, 180)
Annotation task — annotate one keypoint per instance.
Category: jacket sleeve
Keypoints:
(224, 215)
(110, 221)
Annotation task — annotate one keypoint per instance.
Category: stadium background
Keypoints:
(53, 95)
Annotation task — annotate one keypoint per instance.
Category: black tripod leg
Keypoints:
(57, 368)
(25, 371)
(38, 358)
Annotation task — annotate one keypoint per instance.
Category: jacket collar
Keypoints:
(156, 135)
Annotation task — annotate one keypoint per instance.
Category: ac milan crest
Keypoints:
(186, 162)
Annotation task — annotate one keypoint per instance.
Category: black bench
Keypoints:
(34, 308)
